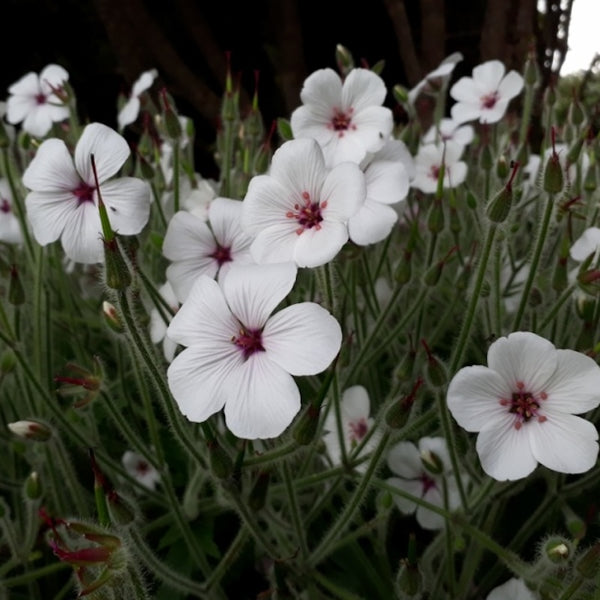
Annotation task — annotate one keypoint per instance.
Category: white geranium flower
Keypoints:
(194, 198)
(442, 72)
(409, 462)
(10, 229)
(299, 212)
(587, 243)
(241, 357)
(513, 589)
(356, 423)
(449, 130)
(195, 247)
(387, 184)
(63, 202)
(158, 326)
(428, 163)
(486, 95)
(34, 103)
(347, 119)
(131, 109)
(139, 468)
(523, 404)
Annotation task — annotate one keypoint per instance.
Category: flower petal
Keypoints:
(48, 212)
(372, 223)
(410, 486)
(355, 402)
(263, 399)
(362, 88)
(587, 243)
(316, 247)
(310, 121)
(344, 190)
(127, 201)
(275, 244)
(51, 169)
(426, 518)
(129, 112)
(303, 338)
(82, 235)
(404, 460)
(511, 85)
(374, 125)
(489, 74)
(564, 443)
(322, 88)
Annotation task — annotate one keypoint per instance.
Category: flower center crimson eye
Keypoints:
(358, 429)
(524, 405)
(434, 172)
(4, 205)
(341, 121)
(142, 467)
(40, 98)
(308, 214)
(489, 101)
(249, 341)
(427, 482)
(84, 193)
(221, 255)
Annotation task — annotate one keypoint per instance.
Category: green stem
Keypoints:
(228, 558)
(294, 509)
(34, 575)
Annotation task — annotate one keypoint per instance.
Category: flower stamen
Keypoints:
(308, 214)
(249, 341)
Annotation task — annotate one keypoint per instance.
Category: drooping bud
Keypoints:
(435, 217)
(403, 271)
(344, 60)
(306, 427)
(433, 274)
(258, 493)
(31, 430)
(112, 318)
(84, 386)
(553, 173)
(499, 206)
(32, 488)
(436, 371)
(398, 414)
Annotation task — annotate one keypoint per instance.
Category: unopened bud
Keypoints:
(531, 72)
(435, 218)
(471, 200)
(111, 317)
(590, 182)
(121, 510)
(221, 464)
(576, 114)
(306, 427)
(502, 169)
(432, 462)
(400, 94)
(436, 371)
(498, 208)
(575, 150)
(557, 550)
(486, 158)
(404, 270)
(535, 297)
(8, 361)
(553, 173)
(258, 493)
(31, 430)
(409, 581)
(560, 279)
(117, 274)
(4, 139)
(32, 488)
(344, 59)
(398, 414)
(284, 129)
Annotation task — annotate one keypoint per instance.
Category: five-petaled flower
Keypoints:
(140, 469)
(523, 404)
(34, 102)
(63, 202)
(10, 230)
(299, 212)
(130, 110)
(428, 164)
(242, 358)
(486, 95)
(347, 119)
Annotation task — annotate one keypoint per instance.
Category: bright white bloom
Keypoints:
(442, 72)
(131, 109)
(523, 405)
(587, 243)
(139, 468)
(486, 95)
(409, 462)
(158, 326)
(428, 163)
(63, 202)
(449, 131)
(347, 119)
(195, 247)
(195, 199)
(356, 424)
(299, 212)
(33, 101)
(387, 184)
(513, 589)
(10, 230)
(241, 357)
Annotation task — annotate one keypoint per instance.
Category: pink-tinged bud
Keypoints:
(83, 557)
(499, 206)
(397, 415)
(436, 371)
(112, 318)
(553, 173)
(306, 427)
(31, 430)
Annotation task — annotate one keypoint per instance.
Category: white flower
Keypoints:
(158, 326)
(428, 163)
(33, 101)
(299, 212)
(356, 424)
(139, 468)
(523, 405)
(486, 95)
(448, 130)
(387, 184)
(63, 202)
(130, 110)
(409, 463)
(442, 72)
(194, 198)
(195, 247)
(347, 119)
(10, 229)
(240, 357)
(513, 589)
(587, 243)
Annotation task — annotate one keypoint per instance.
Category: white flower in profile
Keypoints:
(387, 184)
(196, 247)
(63, 202)
(10, 229)
(436, 79)
(347, 119)
(486, 95)
(131, 109)
(299, 211)
(588, 243)
(159, 322)
(428, 164)
(448, 130)
(355, 423)
(34, 103)
(240, 357)
(513, 589)
(523, 404)
(140, 469)
(421, 472)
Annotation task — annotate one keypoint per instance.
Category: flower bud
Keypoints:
(575, 150)
(560, 279)
(398, 414)
(258, 493)
(471, 200)
(31, 430)
(8, 361)
(435, 217)
(553, 180)
(432, 462)
(116, 275)
(486, 158)
(437, 375)
(403, 271)
(557, 550)
(400, 94)
(590, 182)
(306, 427)
(32, 488)
(576, 114)
(531, 72)
(221, 464)
(502, 169)
(498, 208)
(121, 510)
(284, 129)
(588, 565)
(344, 59)
(112, 318)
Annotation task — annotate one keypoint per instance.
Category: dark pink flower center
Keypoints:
(41, 98)
(4, 205)
(308, 214)
(358, 429)
(221, 254)
(249, 341)
(524, 405)
(341, 121)
(142, 467)
(427, 482)
(84, 193)
(434, 172)
(490, 100)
